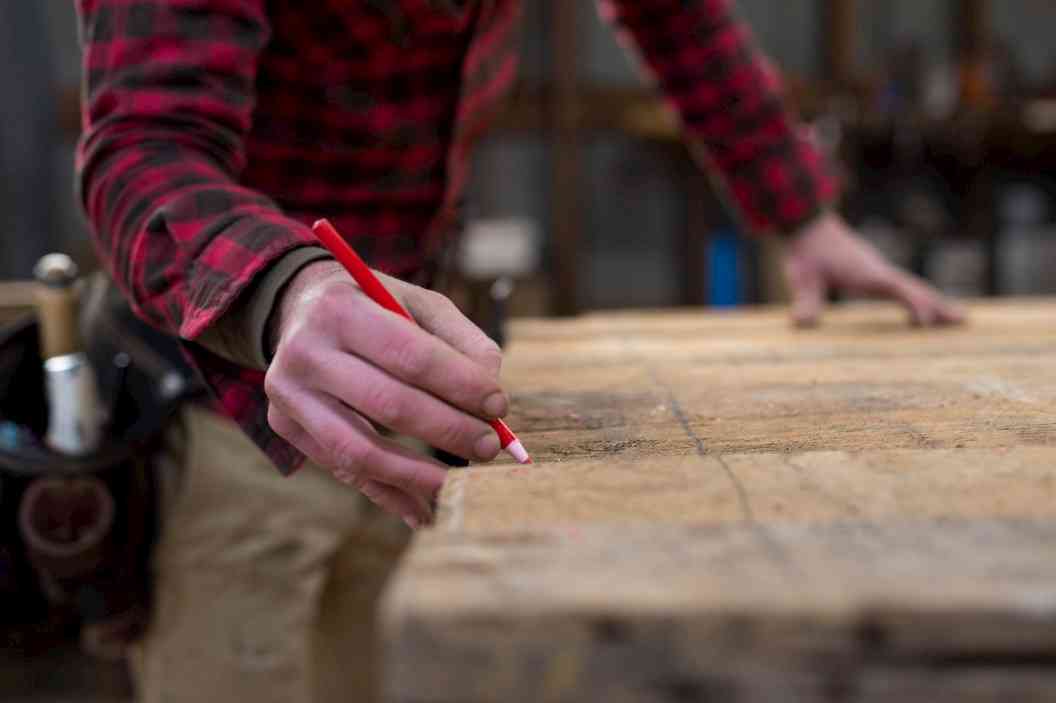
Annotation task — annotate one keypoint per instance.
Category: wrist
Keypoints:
(821, 232)
(288, 299)
(819, 221)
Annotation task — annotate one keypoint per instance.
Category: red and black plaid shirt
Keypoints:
(215, 130)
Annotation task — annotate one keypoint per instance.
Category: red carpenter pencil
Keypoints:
(347, 256)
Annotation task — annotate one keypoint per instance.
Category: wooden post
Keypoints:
(970, 26)
(563, 116)
(840, 24)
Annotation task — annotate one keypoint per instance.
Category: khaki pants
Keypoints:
(265, 586)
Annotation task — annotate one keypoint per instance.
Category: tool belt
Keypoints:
(76, 532)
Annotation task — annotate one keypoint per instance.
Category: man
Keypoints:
(215, 130)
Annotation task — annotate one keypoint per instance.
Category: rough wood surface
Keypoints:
(725, 508)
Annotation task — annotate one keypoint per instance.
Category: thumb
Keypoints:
(442, 318)
(808, 290)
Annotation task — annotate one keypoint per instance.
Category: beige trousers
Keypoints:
(265, 586)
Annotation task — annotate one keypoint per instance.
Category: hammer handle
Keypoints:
(57, 312)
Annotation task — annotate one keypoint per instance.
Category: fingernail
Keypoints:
(487, 447)
(496, 405)
(411, 522)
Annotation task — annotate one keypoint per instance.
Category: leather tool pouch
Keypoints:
(76, 533)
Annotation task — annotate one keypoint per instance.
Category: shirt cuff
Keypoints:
(239, 336)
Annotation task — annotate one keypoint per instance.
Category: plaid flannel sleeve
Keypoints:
(169, 95)
(728, 96)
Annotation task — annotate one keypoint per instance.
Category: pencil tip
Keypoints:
(516, 449)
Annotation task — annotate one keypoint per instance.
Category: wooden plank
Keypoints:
(727, 508)
(620, 385)
(1025, 683)
(873, 486)
(691, 612)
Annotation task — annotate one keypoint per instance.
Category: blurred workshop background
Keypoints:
(941, 116)
(940, 113)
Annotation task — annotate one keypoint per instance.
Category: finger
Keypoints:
(365, 452)
(948, 312)
(416, 357)
(926, 305)
(442, 318)
(808, 296)
(404, 409)
(347, 442)
(392, 500)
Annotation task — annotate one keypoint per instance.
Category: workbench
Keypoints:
(724, 508)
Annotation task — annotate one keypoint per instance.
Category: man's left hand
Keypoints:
(829, 255)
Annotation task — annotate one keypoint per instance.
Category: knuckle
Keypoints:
(371, 490)
(348, 455)
(491, 354)
(278, 421)
(383, 405)
(271, 383)
(390, 411)
(412, 479)
(358, 481)
(329, 306)
(426, 482)
(445, 304)
(413, 360)
(405, 480)
(296, 355)
(362, 484)
(275, 389)
(453, 435)
(434, 299)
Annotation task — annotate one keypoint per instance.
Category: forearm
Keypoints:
(178, 235)
(170, 91)
(709, 66)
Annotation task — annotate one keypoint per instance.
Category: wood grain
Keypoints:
(724, 508)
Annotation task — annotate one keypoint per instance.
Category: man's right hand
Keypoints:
(341, 360)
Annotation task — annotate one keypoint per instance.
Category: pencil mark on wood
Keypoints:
(742, 494)
(683, 420)
(591, 448)
(748, 515)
